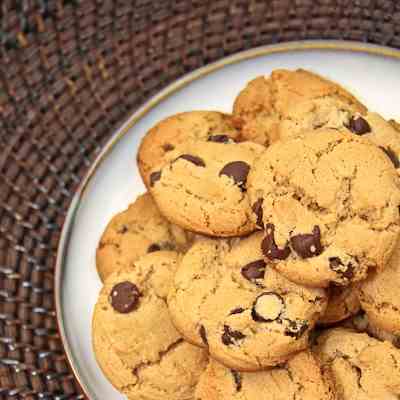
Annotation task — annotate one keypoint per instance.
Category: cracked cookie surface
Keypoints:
(288, 103)
(379, 296)
(134, 340)
(203, 189)
(170, 133)
(362, 367)
(328, 204)
(132, 233)
(343, 303)
(300, 378)
(225, 298)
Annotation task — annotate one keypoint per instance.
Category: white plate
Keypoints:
(371, 73)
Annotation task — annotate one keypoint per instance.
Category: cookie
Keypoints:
(134, 340)
(343, 303)
(363, 368)
(329, 206)
(395, 124)
(138, 230)
(225, 298)
(203, 189)
(170, 133)
(288, 103)
(300, 378)
(379, 296)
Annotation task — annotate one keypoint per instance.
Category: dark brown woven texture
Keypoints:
(70, 72)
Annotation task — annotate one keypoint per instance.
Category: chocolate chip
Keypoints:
(123, 229)
(203, 335)
(220, 139)
(193, 159)
(229, 336)
(153, 247)
(359, 126)
(296, 328)
(257, 209)
(124, 297)
(392, 156)
(238, 310)
(336, 265)
(168, 147)
(237, 379)
(267, 307)
(254, 270)
(307, 245)
(269, 247)
(154, 177)
(238, 171)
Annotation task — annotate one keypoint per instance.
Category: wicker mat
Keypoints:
(71, 71)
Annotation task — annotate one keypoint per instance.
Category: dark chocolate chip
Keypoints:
(220, 139)
(257, 209)
(269, 247)
(296, 328)
(359, 126)
(193, 159)
(307, 245)
(203, 335)
(168, 147)
(229, 336)
(124, 297)
(153, 247)
(238, 171)
(154, 177)
(254, 270)
(392, 156)
(237, 377)
(336, 265)
(238, 310)
(267, 307)
(123, 229)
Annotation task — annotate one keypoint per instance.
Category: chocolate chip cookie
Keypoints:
(203, 189)
(134, 232)
(379, 296)
(288, 103)
(169, 134)
(328, 204)
(227, 299)
(363, 367)
(300, 378)
(134, 340)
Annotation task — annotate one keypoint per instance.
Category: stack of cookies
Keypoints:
(264, 260)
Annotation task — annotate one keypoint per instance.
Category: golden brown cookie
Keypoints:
(328, 204)
(135, 343)
(287, 103)
(301, 378)
(138, 230)
(170, 133)
(363, 368)
(249, 317)
(203, 189)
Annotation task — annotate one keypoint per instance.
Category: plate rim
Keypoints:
(66, 231)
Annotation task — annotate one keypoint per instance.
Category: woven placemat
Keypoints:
(71, 71)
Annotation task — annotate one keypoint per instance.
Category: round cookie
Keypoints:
(138, 230)
(249, 317)
(300, 378)
(379, 296)
(203, 189)
(363, 367)
(170, 133)
(343, 303)
(329, 206)
(292, 102)
(134, 340)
